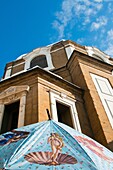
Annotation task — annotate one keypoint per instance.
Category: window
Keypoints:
(10, 118)
(40, 61)
(63, 109)
(105, 92)
(64, 114)
(12, 95)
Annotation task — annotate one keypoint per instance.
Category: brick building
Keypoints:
(74, 82)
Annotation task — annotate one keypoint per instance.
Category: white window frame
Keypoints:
(39, 51)
(104, 96)
(64, 99)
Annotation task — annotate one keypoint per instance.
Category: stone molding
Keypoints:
(13, 90)
(66, 100)
(11, 95)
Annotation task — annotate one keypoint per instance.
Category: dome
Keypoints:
(21, 56)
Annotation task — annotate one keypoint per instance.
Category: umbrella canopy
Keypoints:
(52, 145)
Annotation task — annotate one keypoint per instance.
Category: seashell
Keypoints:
(45, 158)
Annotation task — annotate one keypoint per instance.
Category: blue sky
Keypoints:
(28, 24)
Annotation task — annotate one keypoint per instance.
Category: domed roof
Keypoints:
(21, 56)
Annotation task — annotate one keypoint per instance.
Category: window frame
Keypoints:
(13, 94)
(38, 64)
(104, 96)
(64, 99)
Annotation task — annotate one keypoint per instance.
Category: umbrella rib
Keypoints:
(72, 138)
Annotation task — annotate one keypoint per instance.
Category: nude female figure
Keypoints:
(56, 145)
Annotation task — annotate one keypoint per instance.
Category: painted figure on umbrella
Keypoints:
(13, 136)
(98, 150)
(56, 143)
(51, 158)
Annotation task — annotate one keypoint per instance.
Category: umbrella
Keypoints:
(52, 145)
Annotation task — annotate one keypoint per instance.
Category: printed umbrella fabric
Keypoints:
(52, 145)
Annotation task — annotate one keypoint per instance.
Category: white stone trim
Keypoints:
(8, 72)
(93, 51)
(63, 98)
(1, 114)
(106, 96)
(13, 94)
(69, 51)
(40, 51)
(21, 117)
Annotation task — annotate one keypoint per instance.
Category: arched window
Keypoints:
(40, 61)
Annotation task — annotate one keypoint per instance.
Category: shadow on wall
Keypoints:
(111, 146)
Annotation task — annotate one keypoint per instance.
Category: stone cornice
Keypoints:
(89, 61)
(13, 90)
(41, 73)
